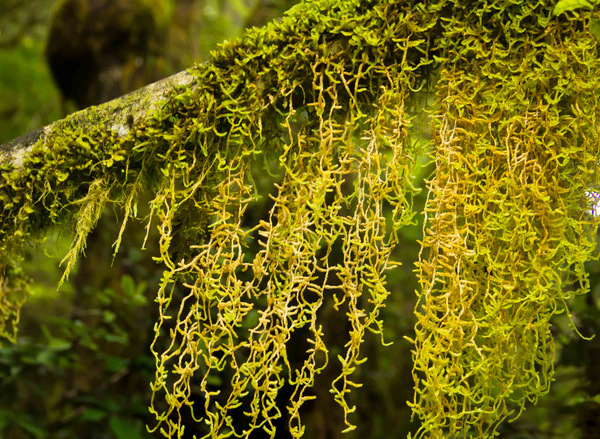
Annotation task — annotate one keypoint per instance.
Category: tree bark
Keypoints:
(121, 112)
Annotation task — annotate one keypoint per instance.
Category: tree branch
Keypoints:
(121, 112)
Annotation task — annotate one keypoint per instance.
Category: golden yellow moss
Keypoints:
(324, 99)
(507, 228)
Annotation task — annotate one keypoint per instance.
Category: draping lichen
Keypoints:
(337, 136)
(507, 228)
(323, 100)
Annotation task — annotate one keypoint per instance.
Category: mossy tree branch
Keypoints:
(118, 115)
(326, 96)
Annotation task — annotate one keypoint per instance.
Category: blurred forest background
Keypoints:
(82, 365)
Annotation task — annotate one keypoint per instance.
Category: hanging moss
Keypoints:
(507, 229)
(324, 99)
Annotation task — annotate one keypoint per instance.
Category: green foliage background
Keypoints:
(81, 366)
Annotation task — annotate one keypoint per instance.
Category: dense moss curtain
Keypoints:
(323, 100)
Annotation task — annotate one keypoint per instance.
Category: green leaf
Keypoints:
(214, 380)
(108, 316)
(134, 293)
(5, 418)
(116, 364)
(571, 5)
(128, 285)
(93, 414)
(594, 28)
(124, 428)
(58, 344)
(27, 424)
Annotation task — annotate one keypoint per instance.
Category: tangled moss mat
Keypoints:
(324, 99)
